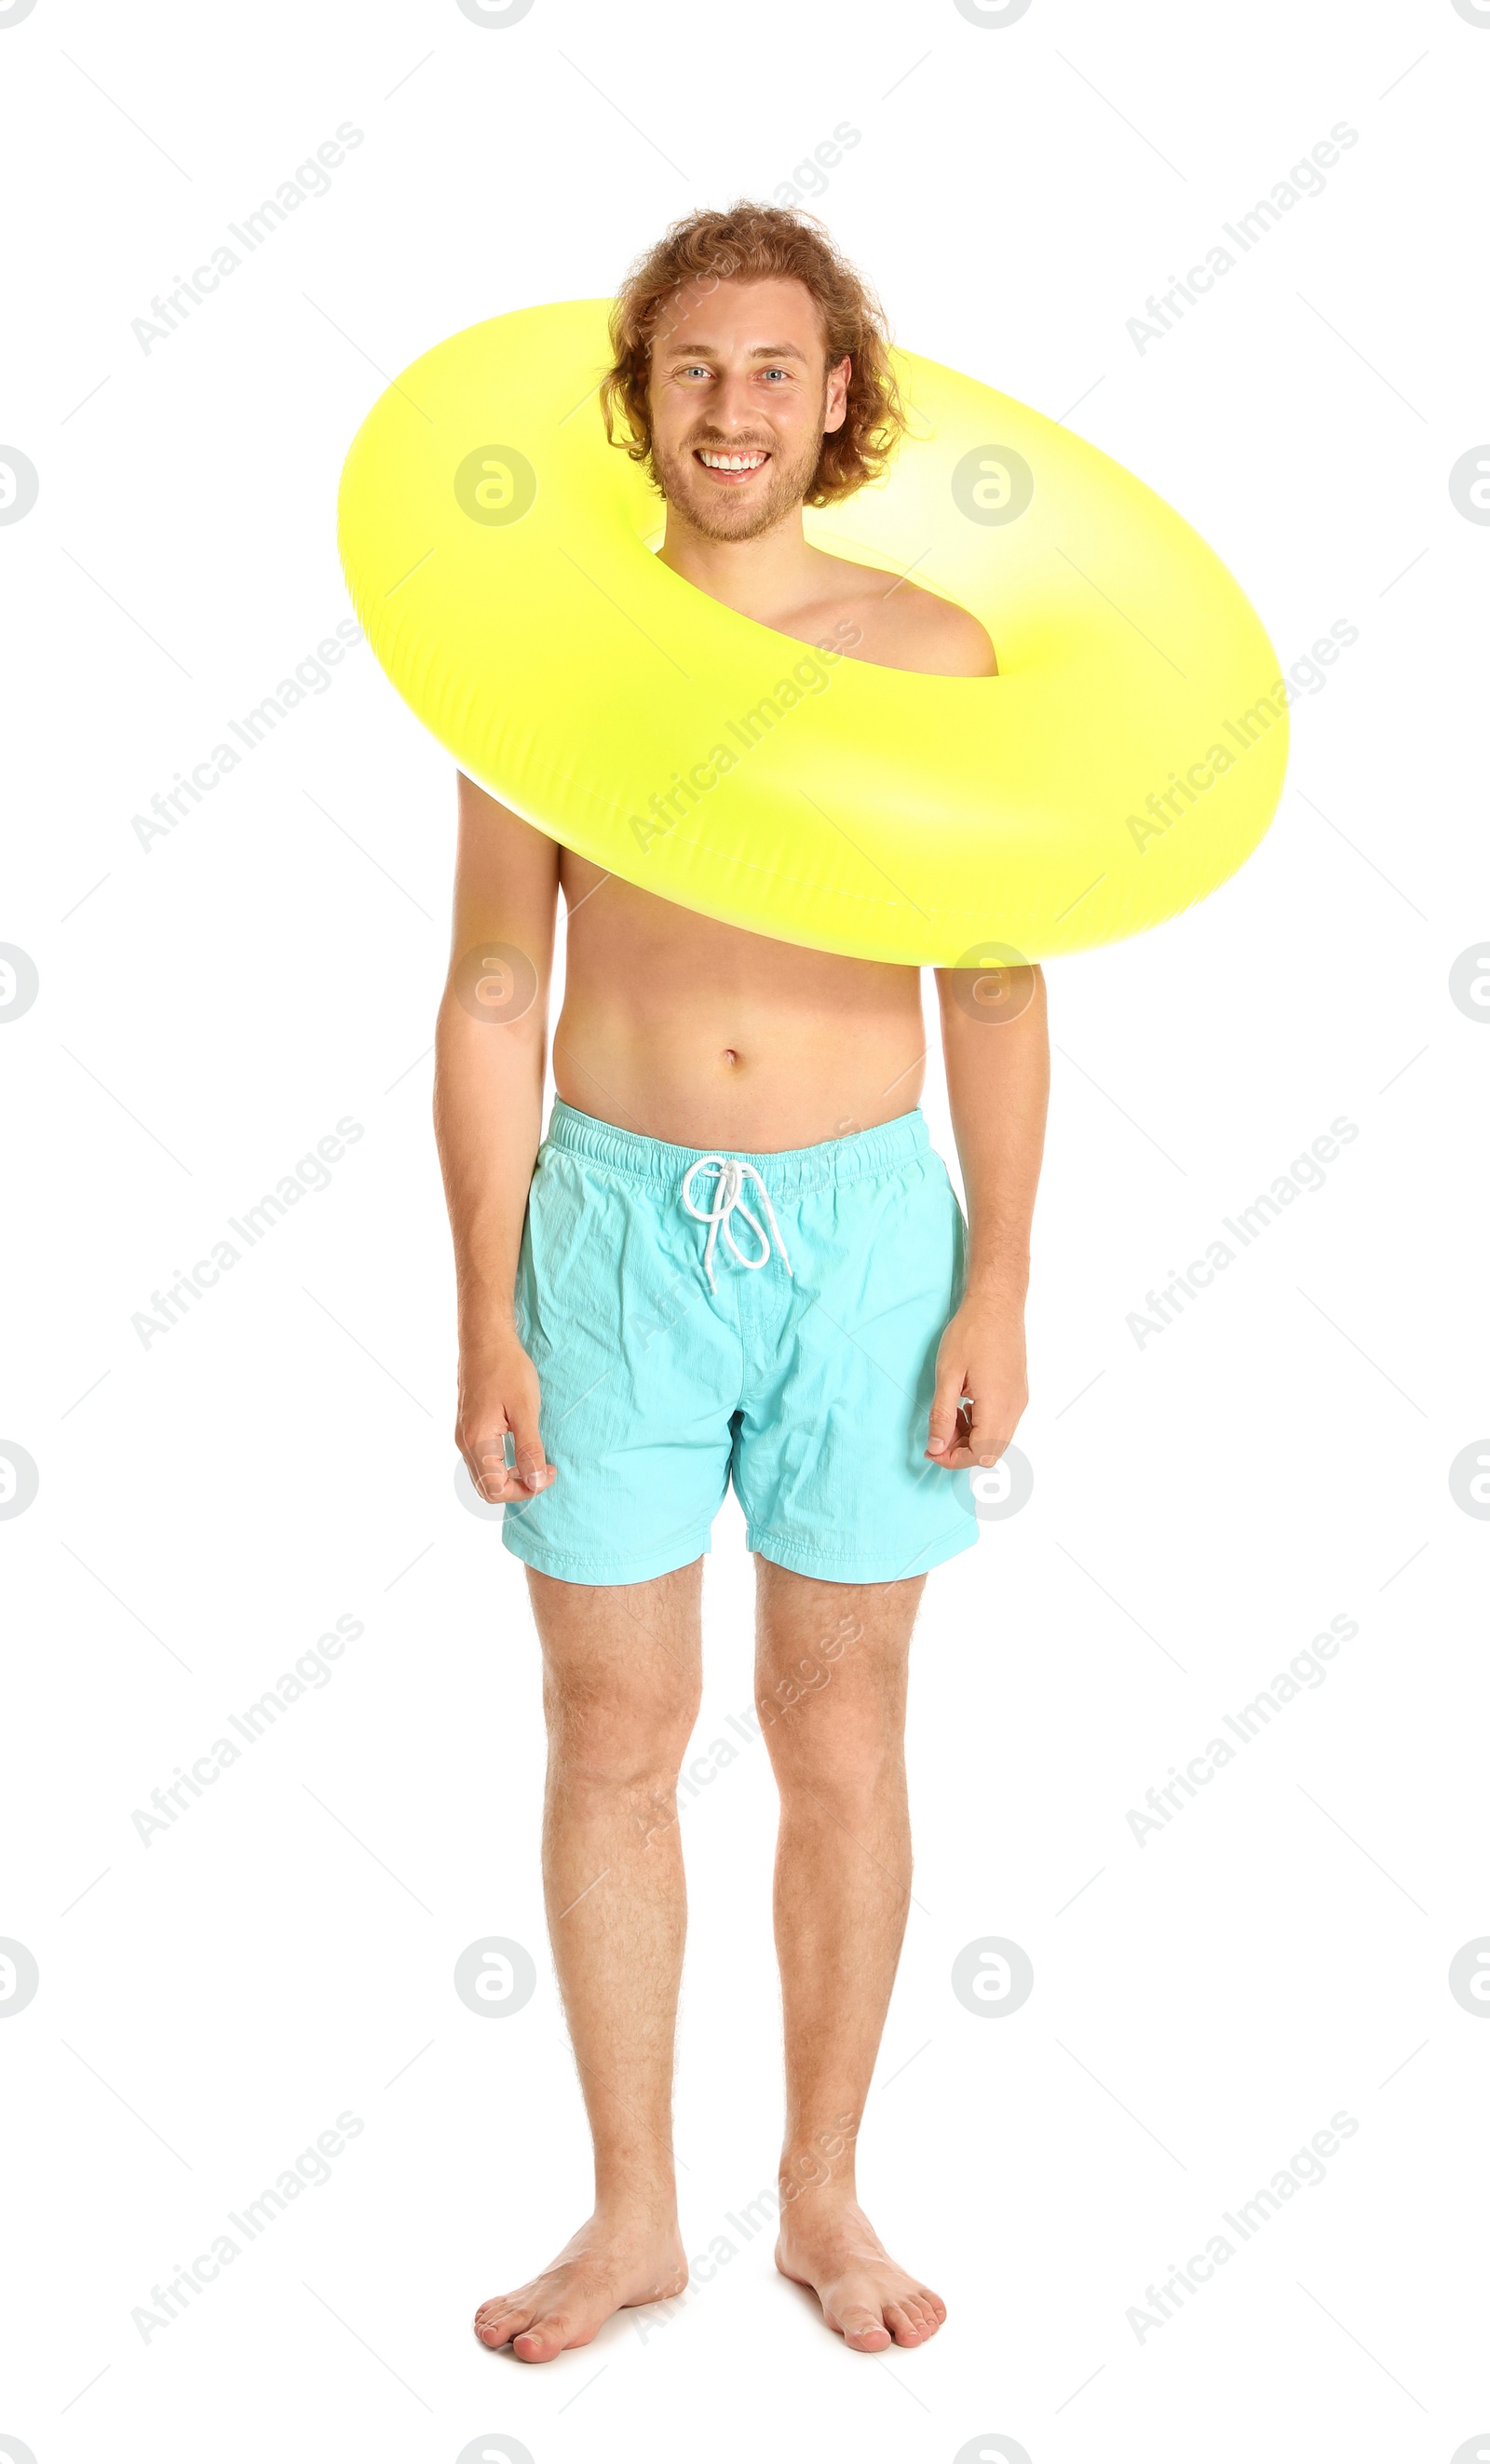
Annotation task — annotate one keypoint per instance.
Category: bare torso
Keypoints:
(703, 1035)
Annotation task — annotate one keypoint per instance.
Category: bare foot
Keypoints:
(865, 2296)
(612, 2264)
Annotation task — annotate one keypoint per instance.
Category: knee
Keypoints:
(618, 1766)
(618, 1740)
(839, 1769)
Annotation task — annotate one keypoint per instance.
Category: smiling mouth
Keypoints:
(730, 469)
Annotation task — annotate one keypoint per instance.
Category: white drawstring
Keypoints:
(729, 1194)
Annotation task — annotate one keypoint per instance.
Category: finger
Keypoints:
(486, 1461)
(494, 1479)
(986, 1441)
(942, 1431)
(505, 1485)
(980, 1454)
(509, 1488)
(530, 1466)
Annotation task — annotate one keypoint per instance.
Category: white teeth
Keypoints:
(731, 461)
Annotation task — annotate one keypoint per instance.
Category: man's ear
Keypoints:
(838, 395)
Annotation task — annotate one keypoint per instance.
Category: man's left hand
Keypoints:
(981, 1388)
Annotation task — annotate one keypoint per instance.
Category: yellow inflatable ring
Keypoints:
(1126, 759)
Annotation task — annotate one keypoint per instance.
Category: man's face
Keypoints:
(741, 402)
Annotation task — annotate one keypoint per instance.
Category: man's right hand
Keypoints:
(499, 1397)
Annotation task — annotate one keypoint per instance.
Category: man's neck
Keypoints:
(763, 578)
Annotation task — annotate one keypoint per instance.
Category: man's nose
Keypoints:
(733, 407)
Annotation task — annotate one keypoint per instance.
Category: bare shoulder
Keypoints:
(947, 640)
(897, 623)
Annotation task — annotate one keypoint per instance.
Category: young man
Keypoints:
(737, 1256)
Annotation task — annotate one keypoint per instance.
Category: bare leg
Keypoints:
(621, 1692)
(830, 1684)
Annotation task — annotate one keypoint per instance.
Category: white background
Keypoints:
(1203, 1505)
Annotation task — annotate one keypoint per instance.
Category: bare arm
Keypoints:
(490, 1046)
(997, 1054)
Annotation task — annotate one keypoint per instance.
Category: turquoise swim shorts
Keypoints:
(697, 1318)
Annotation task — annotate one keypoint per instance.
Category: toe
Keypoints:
(545, 2338)
(906, 2323)
(495, 2322)
(864, 2330)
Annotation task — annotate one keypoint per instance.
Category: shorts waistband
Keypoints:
(788, 1174)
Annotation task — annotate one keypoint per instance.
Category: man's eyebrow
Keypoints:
(761, 351)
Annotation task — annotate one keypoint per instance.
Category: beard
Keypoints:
(719, 513)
